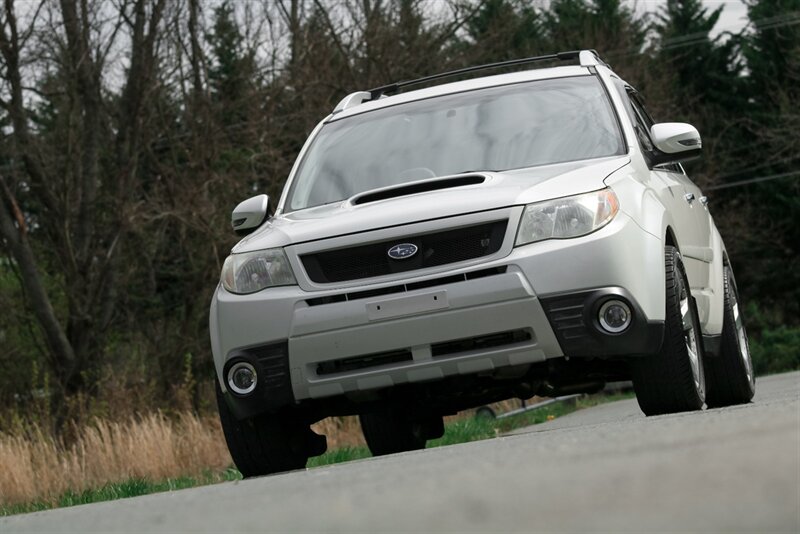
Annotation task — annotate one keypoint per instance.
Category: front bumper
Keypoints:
(457, 320)
(425, 324)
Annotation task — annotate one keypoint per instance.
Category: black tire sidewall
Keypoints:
(664, 382)
(728, 383)
(259, 445)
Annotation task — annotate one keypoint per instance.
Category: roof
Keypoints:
(363, 101)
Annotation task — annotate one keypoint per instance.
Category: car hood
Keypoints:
(498, 190)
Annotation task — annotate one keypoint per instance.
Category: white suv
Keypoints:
(433, 250)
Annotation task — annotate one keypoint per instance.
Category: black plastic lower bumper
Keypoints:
(573, 317)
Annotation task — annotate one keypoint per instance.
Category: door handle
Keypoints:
(689, 197)
(704, 200)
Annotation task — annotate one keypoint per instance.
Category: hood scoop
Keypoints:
(422, 186)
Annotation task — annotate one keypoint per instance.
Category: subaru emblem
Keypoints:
(402, 251)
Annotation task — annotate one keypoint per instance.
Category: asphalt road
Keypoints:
(603, 469)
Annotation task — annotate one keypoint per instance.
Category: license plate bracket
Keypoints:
(402, 306)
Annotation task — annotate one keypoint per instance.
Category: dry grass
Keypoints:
(38, 467)
(341, 432)
(35, 466)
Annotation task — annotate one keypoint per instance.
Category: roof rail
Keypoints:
(352, 100)
(587, 58)
(590, 58)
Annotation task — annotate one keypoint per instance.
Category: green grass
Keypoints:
(122, 490)
(474, 429)
(461, 431)
(776, 350)
(337, 456)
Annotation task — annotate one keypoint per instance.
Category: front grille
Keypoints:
(402, 288)
(440, 248)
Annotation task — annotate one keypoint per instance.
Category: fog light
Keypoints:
(242, 378)
(615, 316)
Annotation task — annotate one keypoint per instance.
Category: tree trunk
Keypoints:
(16, 239)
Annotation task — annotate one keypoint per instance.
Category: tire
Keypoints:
(729, 377)
(391, 431)
(673, 380)
(264, 444)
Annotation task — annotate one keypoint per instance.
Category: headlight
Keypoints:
(567, 217)
(253, 271)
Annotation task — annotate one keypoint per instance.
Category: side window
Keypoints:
(643, 121)
(642, 131)
(636, 101)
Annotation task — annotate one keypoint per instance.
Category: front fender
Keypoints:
(640, 202)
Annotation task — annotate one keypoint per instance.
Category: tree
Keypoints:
(769, 255)
(79, 180)
(609, 26)
(705, 70)
(233, 71)
(505, 29)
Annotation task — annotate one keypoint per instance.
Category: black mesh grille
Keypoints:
(480, 343)
(363, 362)
(435, 249)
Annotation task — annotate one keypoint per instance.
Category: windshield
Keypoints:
(498, 128)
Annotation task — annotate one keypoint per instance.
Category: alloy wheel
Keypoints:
(692, 344)
(741, 334)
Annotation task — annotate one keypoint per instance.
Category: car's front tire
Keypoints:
(729, 376)
(389, 431)
(673, 380)
(267, 443)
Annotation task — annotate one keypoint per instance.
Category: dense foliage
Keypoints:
(130, 129)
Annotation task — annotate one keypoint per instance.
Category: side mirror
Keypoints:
(675, 141)
(250, 214)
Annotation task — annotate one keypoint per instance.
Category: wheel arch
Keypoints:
(670, 240)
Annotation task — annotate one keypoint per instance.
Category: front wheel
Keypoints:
(268, 443)
(730, 375)
(673, 380)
